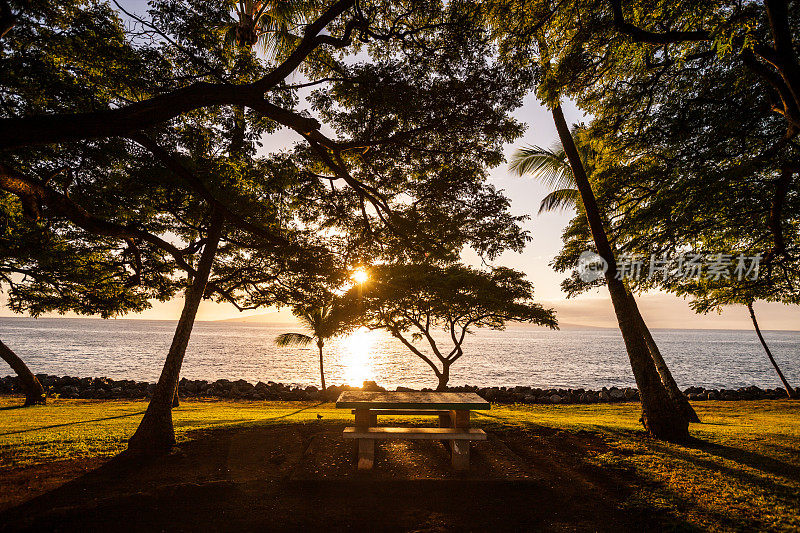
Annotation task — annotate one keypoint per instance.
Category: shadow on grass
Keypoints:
(287, 415)
(137, 413)
(65, 424)
(18, 406)
(764, 465)
(709, 467)
(754, 460)
(297, 476)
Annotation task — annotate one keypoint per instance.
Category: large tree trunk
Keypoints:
(663, 370)
(34, 392)
(789, 390)
(320, 344)
(660, 416)
(155, 434)
(444, 377)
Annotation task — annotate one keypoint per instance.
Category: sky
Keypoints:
(660, 310)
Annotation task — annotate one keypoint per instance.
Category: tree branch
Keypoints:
(177, 168)
(25, 131)
(34, 195)
(7, 18)
(396, 333)
(643, 36)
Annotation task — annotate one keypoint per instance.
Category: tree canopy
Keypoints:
(453, 299)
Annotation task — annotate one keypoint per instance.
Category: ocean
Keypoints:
(518, 355)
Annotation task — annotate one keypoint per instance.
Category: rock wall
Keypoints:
(106, 388)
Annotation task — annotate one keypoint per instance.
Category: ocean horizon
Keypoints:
(573, 357)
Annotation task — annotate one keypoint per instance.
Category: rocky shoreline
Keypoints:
(106, 388)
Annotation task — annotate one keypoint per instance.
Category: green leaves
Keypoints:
(293, 339)
(405, 296)
(54, 268)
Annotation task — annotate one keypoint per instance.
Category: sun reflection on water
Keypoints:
(357, 361)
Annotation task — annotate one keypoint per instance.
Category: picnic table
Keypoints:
(452, 408)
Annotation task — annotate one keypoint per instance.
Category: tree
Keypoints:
(155, 432)
(744, 284)
(268, 25)
(174, 165)
(660, 414)
(789, 389)
(51, 267)
(126, 196)
(704, 87)
(323, 322)
(452, 299)
(552, 168)
(139, 205)
(537, 38)
(666, 211)
(34, 392)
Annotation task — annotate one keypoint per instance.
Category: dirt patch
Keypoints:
(21, 484)
(298, 476)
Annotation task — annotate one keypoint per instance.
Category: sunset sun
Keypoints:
(360, 275)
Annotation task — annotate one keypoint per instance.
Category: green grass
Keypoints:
(742, 473)
(72, 429)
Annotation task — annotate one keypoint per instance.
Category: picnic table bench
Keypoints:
(452, 408)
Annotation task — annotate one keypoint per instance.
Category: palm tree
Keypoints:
(270, 25)
(789, 389)
(554, 167)
(551, 167)
(323, 322)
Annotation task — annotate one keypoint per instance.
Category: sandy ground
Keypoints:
(302, 476)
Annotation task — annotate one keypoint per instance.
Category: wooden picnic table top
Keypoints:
(457, 401)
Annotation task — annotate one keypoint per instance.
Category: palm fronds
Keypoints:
(325, 321)
(273, 25)
(560, 199)
(293, 339)
(550, 166)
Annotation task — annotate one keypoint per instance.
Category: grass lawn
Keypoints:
(742, 471)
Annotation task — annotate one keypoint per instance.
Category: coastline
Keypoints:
(567, 326)
(101, 388)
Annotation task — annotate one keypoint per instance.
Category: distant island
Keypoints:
(275, 317)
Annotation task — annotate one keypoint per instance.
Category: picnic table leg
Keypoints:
(460, 448)
(366, 453)
(460, 419)
(445, 421)
(365, 447)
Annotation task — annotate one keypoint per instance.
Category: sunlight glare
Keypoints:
(357, 361)
(360, 275)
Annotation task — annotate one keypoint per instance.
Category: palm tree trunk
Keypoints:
(320, 344)
(155, 434)
(34, 392)
(789, 390)
(660, 416)
(663, 370)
